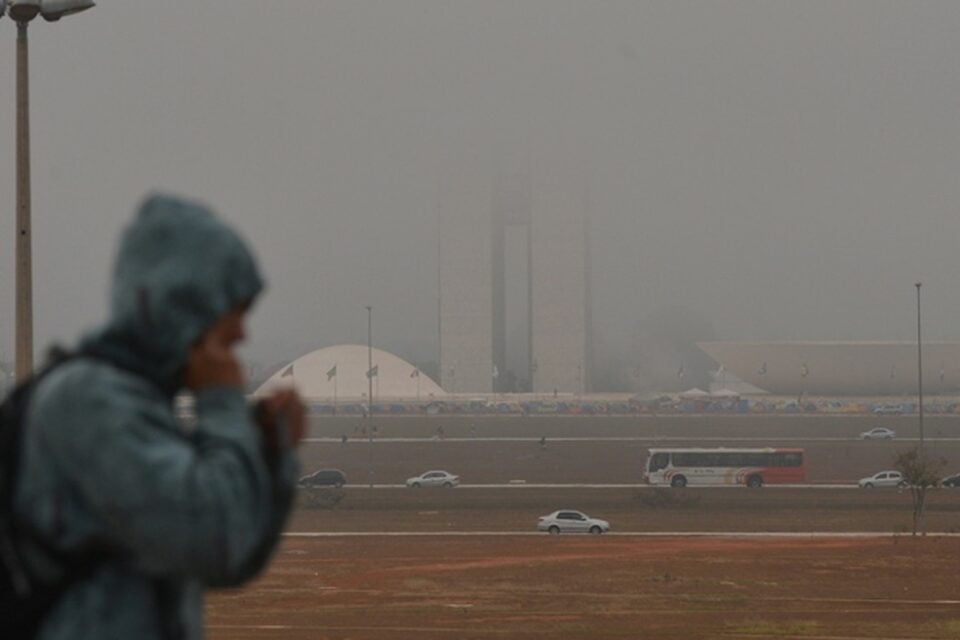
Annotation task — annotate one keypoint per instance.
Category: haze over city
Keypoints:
(643, 280)
(755, 170)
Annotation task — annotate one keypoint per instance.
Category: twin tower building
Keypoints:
(514, 278)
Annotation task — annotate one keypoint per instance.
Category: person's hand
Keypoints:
(212, 363)
(286, 405)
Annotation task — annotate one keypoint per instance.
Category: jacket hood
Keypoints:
(178, 270)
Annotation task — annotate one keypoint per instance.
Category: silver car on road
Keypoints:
(879, 433)
(434, 479)
(883, 479)
(569, 521)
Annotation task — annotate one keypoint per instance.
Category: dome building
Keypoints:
(340, 373)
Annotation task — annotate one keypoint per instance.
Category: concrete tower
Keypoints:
(479, 208)
(466, 278)
(558, 283)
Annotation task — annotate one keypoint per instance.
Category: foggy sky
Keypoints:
(782, 170)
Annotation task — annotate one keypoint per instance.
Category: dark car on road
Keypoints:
(324, 478)
(951, 481)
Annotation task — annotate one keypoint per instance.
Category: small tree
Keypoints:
(920, 473)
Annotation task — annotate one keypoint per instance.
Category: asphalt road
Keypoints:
(604, 450)
(628, 509)
(521, 486)
(750, 441)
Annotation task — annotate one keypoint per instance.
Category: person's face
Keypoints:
(230, 329)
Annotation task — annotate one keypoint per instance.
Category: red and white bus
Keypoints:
(723, 466)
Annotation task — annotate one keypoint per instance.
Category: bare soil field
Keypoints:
(454, 587)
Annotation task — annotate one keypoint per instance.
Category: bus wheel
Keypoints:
(754, 482)
(678, 481)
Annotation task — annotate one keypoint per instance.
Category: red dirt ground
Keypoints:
(456, 587)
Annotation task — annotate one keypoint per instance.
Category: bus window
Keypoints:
(792, 460)
(754, 460)
(659, 461)
(686, 459)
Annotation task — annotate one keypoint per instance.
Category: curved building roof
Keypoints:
(340, 372)
(840, 368)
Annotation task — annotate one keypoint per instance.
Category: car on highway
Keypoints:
(569, 521)
(878, 433)
(324, 478)
(883, 479)
(888, 410)
(951, 482)
(443, 479)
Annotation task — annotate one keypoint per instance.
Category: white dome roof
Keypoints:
(341, 372)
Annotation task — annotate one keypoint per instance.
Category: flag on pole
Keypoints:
(373, 372)
(804, 371)
(287, 372)
(763, 369)
(415, 373)
(496, 372)
(332, 373)
(680, 373)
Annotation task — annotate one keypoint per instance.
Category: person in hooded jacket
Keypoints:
(109, 473)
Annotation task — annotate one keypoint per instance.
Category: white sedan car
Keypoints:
(889, 410)
(879, 433)
(567, 521)
(434, 479)
(883, 479)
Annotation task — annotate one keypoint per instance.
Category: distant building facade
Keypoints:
(840, 368)
(547, 207)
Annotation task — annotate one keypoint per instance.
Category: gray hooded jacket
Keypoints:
(107, 467)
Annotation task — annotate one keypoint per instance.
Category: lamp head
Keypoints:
(53, 10)
(23, 10)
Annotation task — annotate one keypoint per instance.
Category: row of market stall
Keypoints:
(664, 404)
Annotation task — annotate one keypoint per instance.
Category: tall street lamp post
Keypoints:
(369, 361)
(919, 364)
(22, 12)
(370, 394)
